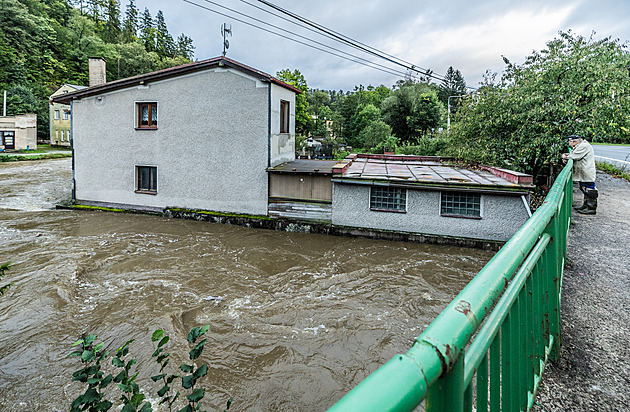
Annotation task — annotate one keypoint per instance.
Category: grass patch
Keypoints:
(105, 209)
(223, 214)
(612, 170)
(20, 158)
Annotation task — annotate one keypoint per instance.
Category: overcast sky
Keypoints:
(469, 35)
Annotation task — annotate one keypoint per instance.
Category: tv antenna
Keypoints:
(225, 32)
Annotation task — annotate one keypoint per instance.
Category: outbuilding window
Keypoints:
(284, 116)
(460, 204)
(147, 115)
(56, 115)
(146, 177)
(388, 199)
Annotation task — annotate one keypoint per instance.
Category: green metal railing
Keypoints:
(489, 347)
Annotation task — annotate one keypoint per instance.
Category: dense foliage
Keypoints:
(45, 44)
(97, 375)
(576, 85)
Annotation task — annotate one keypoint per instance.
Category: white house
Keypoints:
(196, 136)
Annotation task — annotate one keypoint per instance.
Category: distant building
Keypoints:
(197, 136)
(61, 117)
(18, 132)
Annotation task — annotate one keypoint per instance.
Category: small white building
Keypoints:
(196, 136)
(18, 132)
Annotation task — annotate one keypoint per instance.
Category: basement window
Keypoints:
(147, 115)
(146, 179)
(460, 204)
(388, 199)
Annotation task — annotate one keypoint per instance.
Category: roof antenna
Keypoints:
(225, 31)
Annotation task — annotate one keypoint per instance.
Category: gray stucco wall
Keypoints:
(282, 145)
(210, 147)
(501, 216)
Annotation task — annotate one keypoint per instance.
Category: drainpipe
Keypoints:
(74, 182)
(269, 127)
(529, 211)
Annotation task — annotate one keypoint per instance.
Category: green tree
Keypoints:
(576, 85)
(375, 134)
(147, 31)
(130, 24)
(111, 31)
(412, 110)
(164, 44)
(365, 115)
(452, 85)
(297, 80)
(184, 47)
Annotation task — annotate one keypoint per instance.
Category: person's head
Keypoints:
(574, 140)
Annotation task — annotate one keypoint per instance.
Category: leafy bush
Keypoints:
(92, 373)
(427, 146)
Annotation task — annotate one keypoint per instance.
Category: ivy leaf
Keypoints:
(75, 353)
(103, 406)
(196, 395)
(164, 341)
(186, 368)
(117, 362)
(163, 390)
(87, 356)
(157, 335)
(204, 330)
(137, 399)
(193, 335)
(201, 371)
(157, 377)
(196, 351)
(105, 382)
(90, 339)
(146, 407)
(187, 382)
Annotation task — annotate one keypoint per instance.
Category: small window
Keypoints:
(388, 199)
(66, 114)
(458, 204)
(284, 116)
(62, 135)
(146, 179)
(56, 114)
(147, 115)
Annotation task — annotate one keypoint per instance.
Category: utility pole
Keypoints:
(448, 118)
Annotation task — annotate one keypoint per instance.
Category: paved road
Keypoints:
(617, 155)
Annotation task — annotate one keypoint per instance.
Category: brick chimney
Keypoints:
(96, 68)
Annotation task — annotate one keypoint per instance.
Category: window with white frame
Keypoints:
(388, 199)
(146, 179)
(66, 114)
(56, 115)
(461, 204)
(147, 115)
(284, 116)
(62, 135)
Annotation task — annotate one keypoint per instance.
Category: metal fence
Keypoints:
(487, 350)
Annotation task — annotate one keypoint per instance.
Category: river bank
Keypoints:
(592, 372)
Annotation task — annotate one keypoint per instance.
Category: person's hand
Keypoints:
(565, 156)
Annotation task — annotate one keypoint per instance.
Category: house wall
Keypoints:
(501, 215)
(282, 144)
(25, 128)
(210, 146)
(57, 126)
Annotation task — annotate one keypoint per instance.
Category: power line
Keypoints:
(365, 62)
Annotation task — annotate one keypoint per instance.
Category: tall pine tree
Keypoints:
(111, 32)
(130, 24)
(452, 85)
(147, 31)
(164, 44)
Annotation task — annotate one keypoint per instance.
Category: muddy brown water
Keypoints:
(296, 320)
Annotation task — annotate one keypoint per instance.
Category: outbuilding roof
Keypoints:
(426, 171)
(220, 61)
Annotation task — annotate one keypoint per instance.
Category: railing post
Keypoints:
(447, 393)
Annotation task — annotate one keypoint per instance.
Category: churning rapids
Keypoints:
(296, 320)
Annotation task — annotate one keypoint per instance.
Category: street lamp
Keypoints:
(448, 118)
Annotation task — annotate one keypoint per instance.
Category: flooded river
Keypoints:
(295, 320)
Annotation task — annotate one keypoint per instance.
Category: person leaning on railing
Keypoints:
(583, 172)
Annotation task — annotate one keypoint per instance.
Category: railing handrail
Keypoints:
(403, 382)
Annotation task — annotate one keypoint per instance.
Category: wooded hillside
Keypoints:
(45, 44)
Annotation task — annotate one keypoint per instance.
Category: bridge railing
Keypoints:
(489, 347)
